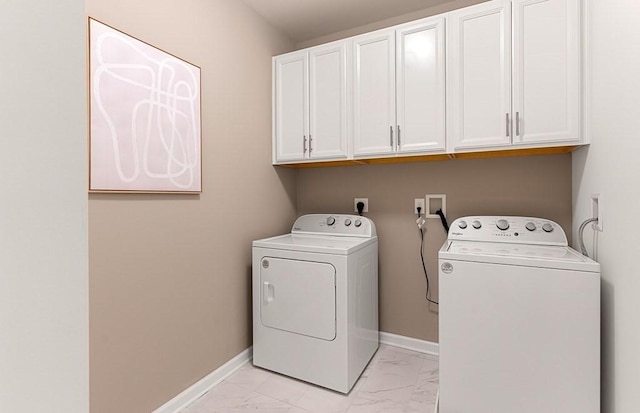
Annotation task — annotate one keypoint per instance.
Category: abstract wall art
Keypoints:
(145, 117)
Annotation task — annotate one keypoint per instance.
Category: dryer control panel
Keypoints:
(515, 230)
(335, 224)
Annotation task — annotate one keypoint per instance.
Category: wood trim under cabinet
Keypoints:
(439, 157)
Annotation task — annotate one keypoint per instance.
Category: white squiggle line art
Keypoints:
(170, 104)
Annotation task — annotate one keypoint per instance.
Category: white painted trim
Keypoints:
(409, 343)
(586, 71)
(196, 391)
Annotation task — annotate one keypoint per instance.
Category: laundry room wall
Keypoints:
(538, 186)
(170, 274)
(609, 167)
(43, 204)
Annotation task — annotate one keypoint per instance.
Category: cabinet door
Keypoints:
(290, 106)
(328, 101)
(420, 90)
(546, 75)
(374, 93)
(479, 39)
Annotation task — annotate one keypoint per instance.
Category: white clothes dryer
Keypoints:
(519, 319)
(315, 300)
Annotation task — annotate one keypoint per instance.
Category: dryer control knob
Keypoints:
(530, 226)
(502, 224)
(476, 224)
(547, 227)
(462, 224)
(347, 222)
(331, 221)
(358, 223)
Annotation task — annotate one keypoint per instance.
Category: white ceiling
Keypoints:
(303, 20)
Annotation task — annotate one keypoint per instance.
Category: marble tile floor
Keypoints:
(395, 381)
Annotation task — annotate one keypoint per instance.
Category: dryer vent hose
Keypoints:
(445, 224)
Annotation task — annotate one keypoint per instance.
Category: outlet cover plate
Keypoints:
(596, 211)
(365, 201)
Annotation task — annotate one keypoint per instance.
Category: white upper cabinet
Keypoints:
(479, 53)
(546, 71)
(541, 71)
(420, 86)
(290, 106)
(310, 113)
(399, 89)
(328, 101)
(374, 108)
(499, 75)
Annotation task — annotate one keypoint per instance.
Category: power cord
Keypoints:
(420, 223)
(424, 268)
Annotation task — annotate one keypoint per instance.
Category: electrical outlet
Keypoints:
(596, 211)
(418, 202)
(365, 201)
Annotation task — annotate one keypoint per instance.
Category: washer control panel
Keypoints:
(335, 224)
(520, 230)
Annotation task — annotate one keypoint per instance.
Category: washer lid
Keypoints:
(315, 243)
(531, 255)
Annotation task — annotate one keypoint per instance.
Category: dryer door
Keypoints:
(298, 296)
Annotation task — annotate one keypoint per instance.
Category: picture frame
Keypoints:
(144, 117)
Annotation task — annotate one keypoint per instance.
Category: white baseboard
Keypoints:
(409, 343)
(196, 391)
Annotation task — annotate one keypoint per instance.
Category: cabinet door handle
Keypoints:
(304, 144)
(398, 136)
(310, 144)
(391, 136)
(507, 125)
(517, 123)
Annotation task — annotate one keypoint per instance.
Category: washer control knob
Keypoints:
(547, 227)
(476, 224)
(331, 221)
(502, 224)
(347, 222)
(358, 223)
(530, 226)
(462, 224)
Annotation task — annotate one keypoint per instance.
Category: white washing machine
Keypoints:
(315, 300)
(519, 319)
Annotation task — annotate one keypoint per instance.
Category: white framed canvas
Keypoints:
(145, 117)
